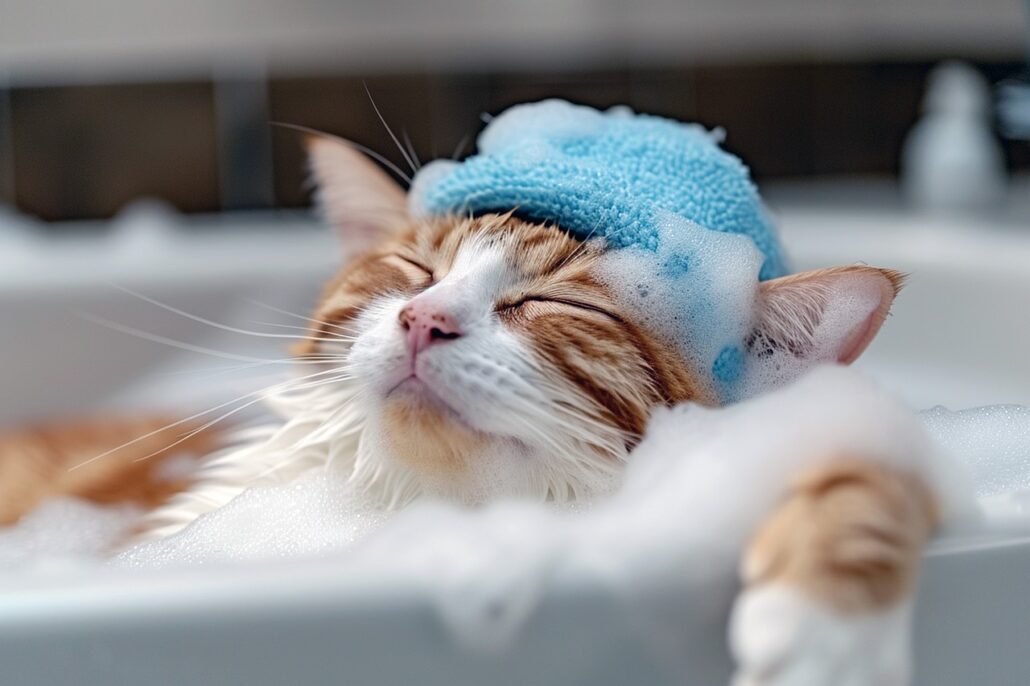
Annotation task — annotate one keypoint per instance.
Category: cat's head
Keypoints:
(488, 357)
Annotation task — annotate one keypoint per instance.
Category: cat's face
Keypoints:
(487, 356)
(491, 336)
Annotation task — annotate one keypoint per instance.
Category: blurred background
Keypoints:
(137, 151)
(156, 247)
(107, 101)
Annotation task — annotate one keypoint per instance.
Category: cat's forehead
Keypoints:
(529, 249)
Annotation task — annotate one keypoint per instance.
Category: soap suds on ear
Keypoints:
(700, 289)
(840, 307)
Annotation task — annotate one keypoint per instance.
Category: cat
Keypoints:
(57, 459)
(471, 357)
(485, 345)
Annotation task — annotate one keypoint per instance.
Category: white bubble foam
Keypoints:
(314, 514)
(994, 443)
(695, 489)
(699, 289)
(64, 533)
(848, 301)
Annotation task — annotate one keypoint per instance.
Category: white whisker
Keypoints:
(411, 149)
(320, 322)
(203, 320)
(460, 147)
(328, 336)
(213, 373)
(357, 146)
(260, 393)
(171, 342)
(404, 153)
(225, 416)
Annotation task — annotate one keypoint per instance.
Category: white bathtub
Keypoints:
(959, 334)
(958, 338)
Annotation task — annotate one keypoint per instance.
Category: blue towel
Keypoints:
(608, 174)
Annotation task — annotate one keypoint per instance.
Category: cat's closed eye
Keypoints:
(514, 306)
(413, 268)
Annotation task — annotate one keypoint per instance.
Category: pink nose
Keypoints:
(427, 324)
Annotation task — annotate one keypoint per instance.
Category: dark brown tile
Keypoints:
(6, 153)
(766, 112)
(889, 100)
(664, 92)
(341, 106)
(597, 89)
(85, 151)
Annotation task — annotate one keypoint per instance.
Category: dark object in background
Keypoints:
(85, 151)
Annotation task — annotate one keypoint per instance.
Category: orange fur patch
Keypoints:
(52, 461)
(850, 535)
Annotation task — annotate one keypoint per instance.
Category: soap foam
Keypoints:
(314, 514)
(695, 489)
(666, 544)
(64, 533)
(699, 289)
(994, 443)
(848, 301)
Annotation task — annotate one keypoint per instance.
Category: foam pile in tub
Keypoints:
(741, 454)
(993, 444)
(696, 487)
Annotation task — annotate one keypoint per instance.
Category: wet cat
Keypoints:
(471, 357)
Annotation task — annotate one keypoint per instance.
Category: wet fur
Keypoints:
(555, 376)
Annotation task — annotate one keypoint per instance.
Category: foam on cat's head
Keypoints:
(699, 290)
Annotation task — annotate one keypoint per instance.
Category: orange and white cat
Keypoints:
(476, 357)
(465, 348)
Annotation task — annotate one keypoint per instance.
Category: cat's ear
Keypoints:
(358, 198)
(825, 315)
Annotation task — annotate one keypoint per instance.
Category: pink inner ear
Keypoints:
(881, 291)
(829, 314)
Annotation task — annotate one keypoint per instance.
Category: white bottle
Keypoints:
(951, 159)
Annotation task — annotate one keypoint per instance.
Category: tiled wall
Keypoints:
(84, 151)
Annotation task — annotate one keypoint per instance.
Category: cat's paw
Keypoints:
(779, 637)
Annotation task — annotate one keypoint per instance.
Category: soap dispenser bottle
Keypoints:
(951, 159)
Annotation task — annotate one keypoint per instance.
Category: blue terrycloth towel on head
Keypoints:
(602, 174)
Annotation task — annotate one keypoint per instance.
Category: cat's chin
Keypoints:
(424, 432)
(414, 395)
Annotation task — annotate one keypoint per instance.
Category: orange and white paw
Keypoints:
(779, 637)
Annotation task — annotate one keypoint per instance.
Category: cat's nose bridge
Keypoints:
(426, 322)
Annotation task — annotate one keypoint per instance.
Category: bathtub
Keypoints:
(958, 338)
